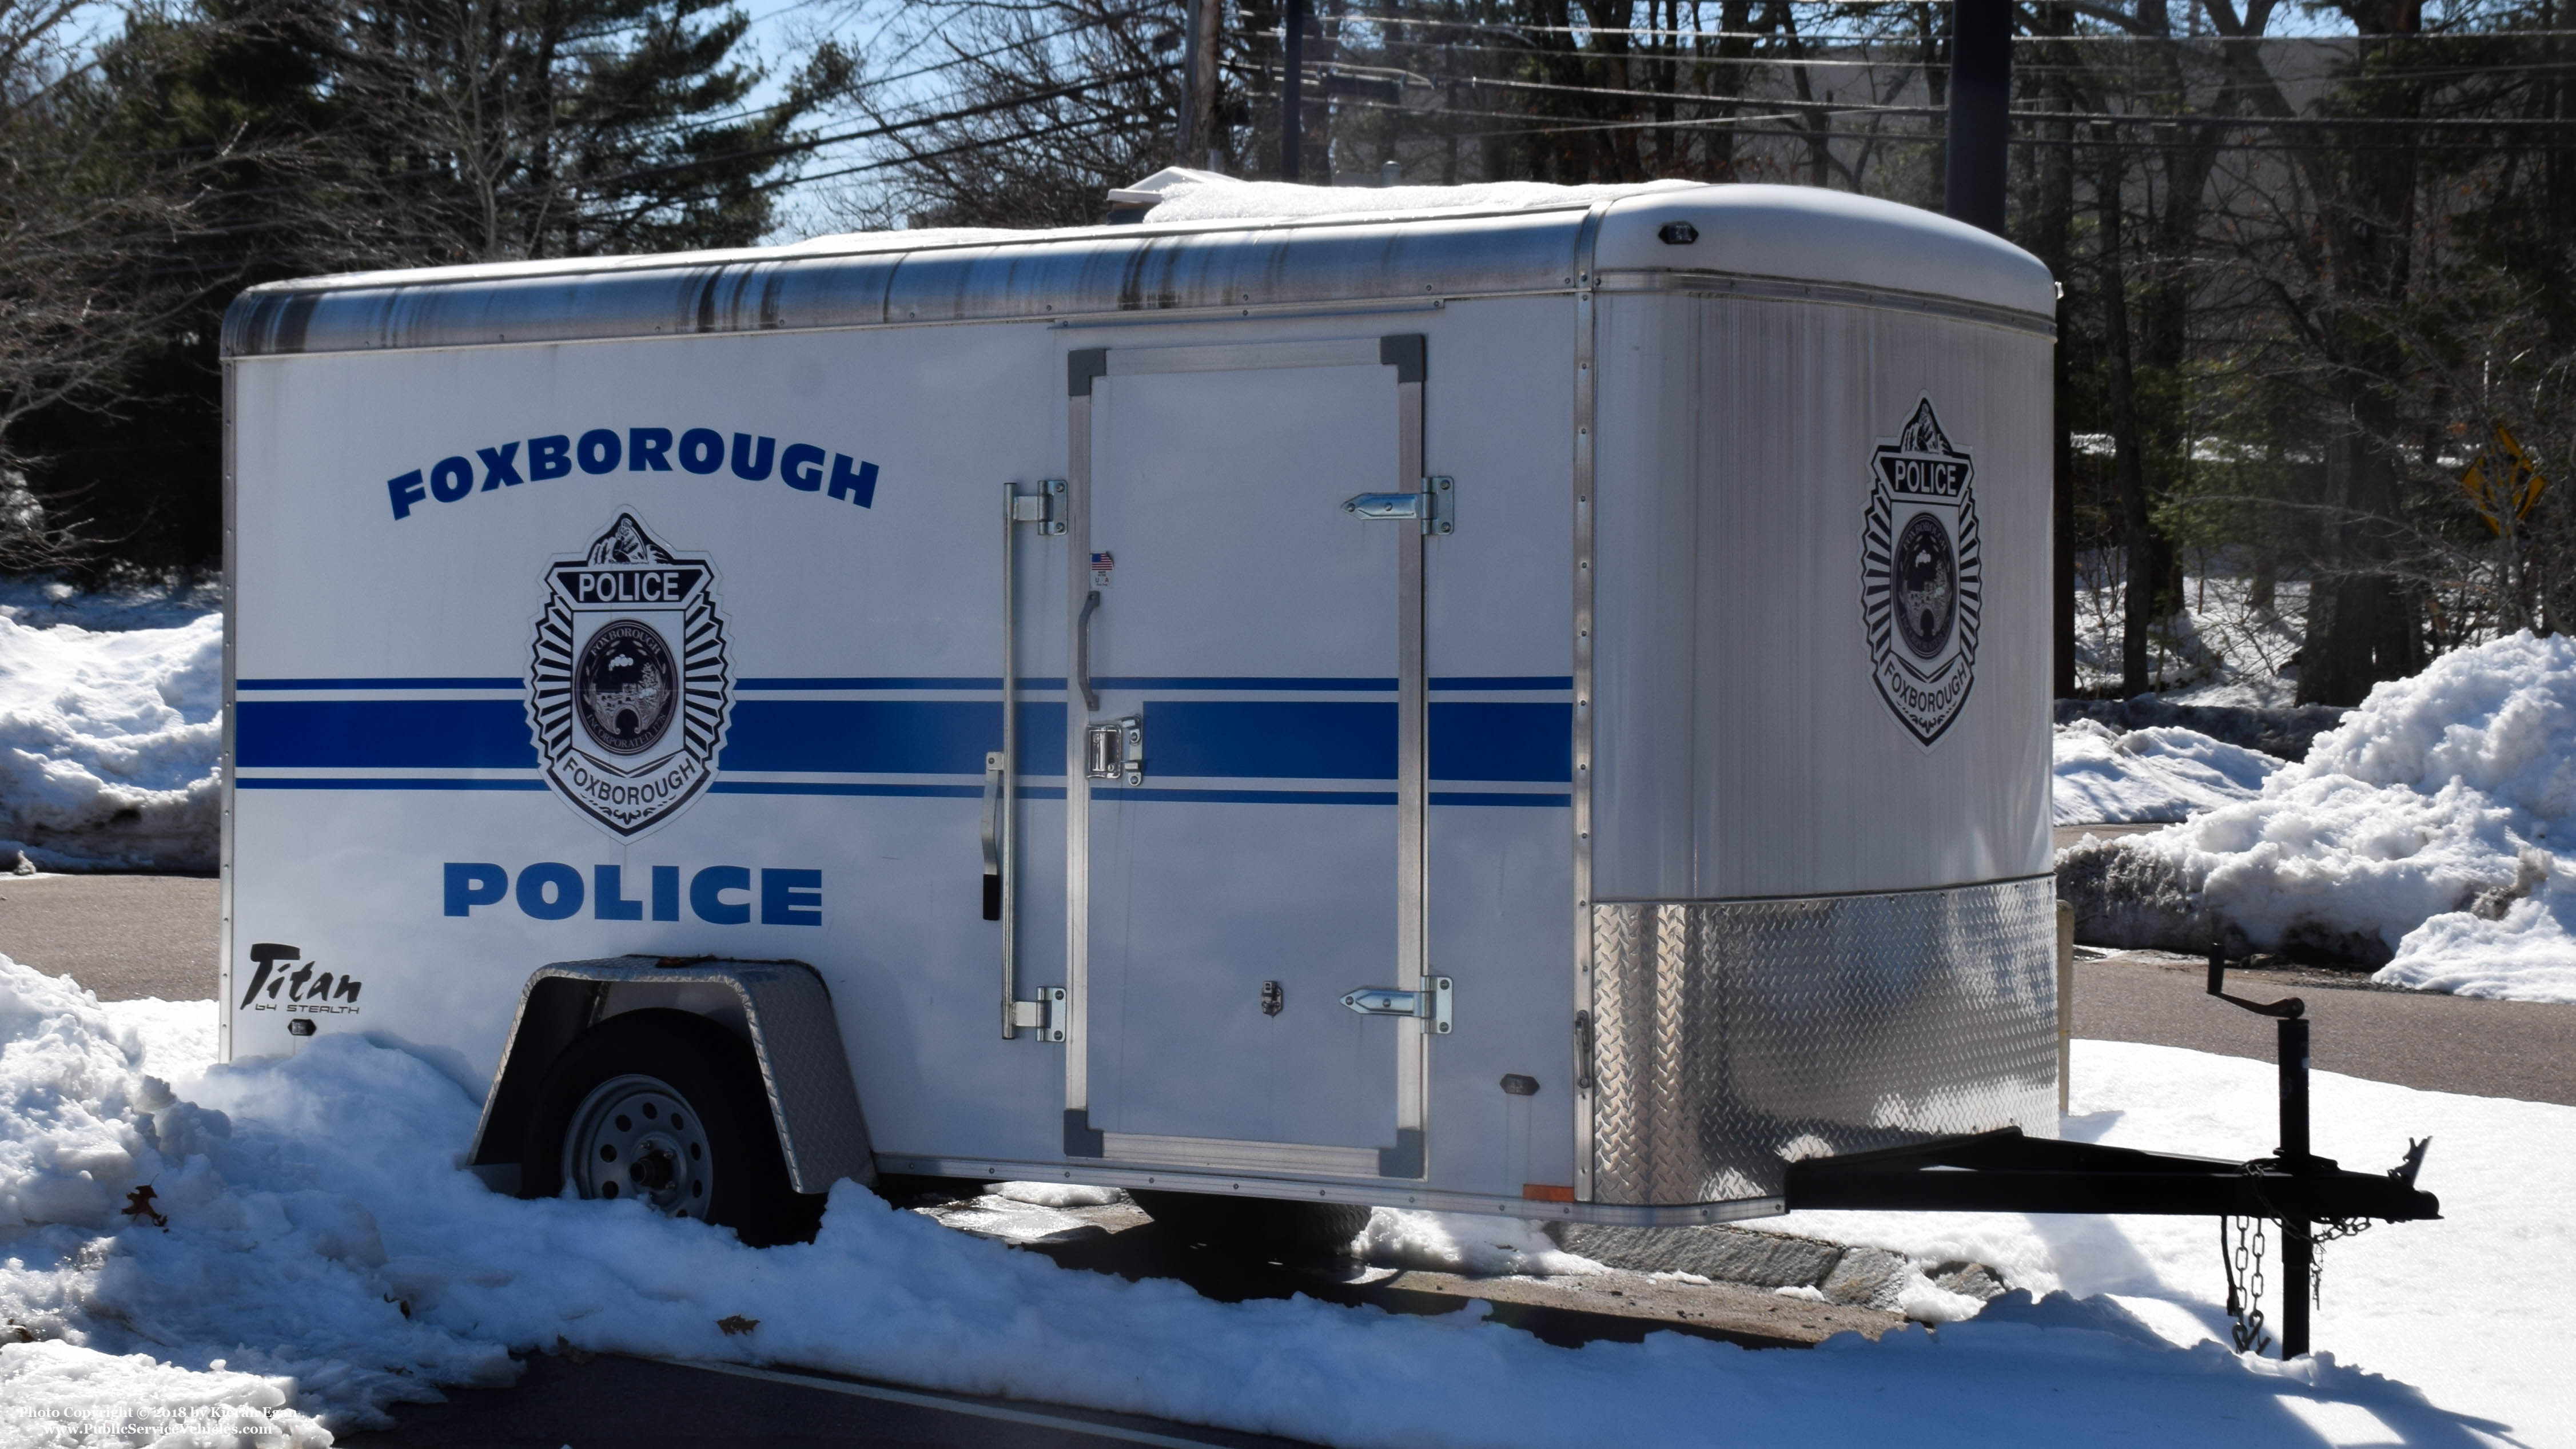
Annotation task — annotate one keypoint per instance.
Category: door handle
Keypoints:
(1082, 651)
(993, 835)
(1046, 509)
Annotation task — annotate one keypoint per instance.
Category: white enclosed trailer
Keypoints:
(1538, 710)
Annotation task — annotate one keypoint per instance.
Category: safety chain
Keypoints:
(2245, 1263)
(2320, 1234)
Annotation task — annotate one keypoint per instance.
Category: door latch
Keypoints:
(1046, 1016)
(1115, 750)
(1436, 505)
(1431, 1005)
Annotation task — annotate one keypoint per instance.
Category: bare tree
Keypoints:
(1039, 110)
(86, 230)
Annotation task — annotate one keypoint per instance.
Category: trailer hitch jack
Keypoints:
(2005, 1171)
(2298, 1230)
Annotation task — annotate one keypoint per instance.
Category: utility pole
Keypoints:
(1292, 90)
(1199, 143)
(1980, 92)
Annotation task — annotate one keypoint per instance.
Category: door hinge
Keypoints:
(1115, 750)
(1047, 1016)
(1045, 508)
(1436, 505)
(1431, 1004)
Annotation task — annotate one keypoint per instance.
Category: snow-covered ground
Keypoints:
(110, 726)
(40, 603)
(2110, 777)
(2420, 833)
(321, 1257)
(2222, 648)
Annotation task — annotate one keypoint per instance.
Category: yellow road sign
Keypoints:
(2501, 481)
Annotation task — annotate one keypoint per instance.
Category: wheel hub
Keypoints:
(636, 1137)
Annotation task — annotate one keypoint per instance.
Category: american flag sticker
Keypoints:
(1101, 564)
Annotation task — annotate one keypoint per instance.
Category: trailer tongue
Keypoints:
(2005, 1171)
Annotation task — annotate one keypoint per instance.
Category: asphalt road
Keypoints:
(2062, 836)
(2388, 1034)
(122, 936)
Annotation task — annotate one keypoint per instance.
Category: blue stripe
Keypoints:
(1271, 739)
(1244, 682)
(1214, 739)
(945, 792)
(405, 683)
(887, 736)
(358, 782)
(460, 734)
(937, 792)
(991, 682)
(1355, 740)
(1527, 742)
(877, 737)
(1250, 797)
(971, 681)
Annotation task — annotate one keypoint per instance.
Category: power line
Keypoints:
(709, 123)
(2094, 37)
(1925, 112)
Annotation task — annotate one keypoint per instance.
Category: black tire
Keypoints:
(1256, 1229)
(682, 1069)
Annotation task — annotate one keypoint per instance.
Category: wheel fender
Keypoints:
(780, 1007)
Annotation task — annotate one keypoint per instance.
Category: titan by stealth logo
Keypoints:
(628, 687)
(1922, 574)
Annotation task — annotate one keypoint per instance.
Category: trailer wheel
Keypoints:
(1256, 1228)
(666, 1107)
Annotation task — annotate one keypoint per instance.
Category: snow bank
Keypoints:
(1055, 1194)
(109, 735)
(2418, 836)
(1474, 1243)
(1190, 197)
(2108, 777)
(1204, 196)
(324, 1257)
(56, 1394)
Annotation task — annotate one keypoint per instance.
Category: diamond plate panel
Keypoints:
(1733, 1037)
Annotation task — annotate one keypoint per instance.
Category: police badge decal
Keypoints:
(628, 692)
(1922, 574)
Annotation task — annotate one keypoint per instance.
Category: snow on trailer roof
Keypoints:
(1202, 244)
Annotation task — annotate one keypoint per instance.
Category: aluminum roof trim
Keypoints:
(876, 279)
(1127, 269)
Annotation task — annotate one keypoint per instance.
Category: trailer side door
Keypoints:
(1261, 647)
